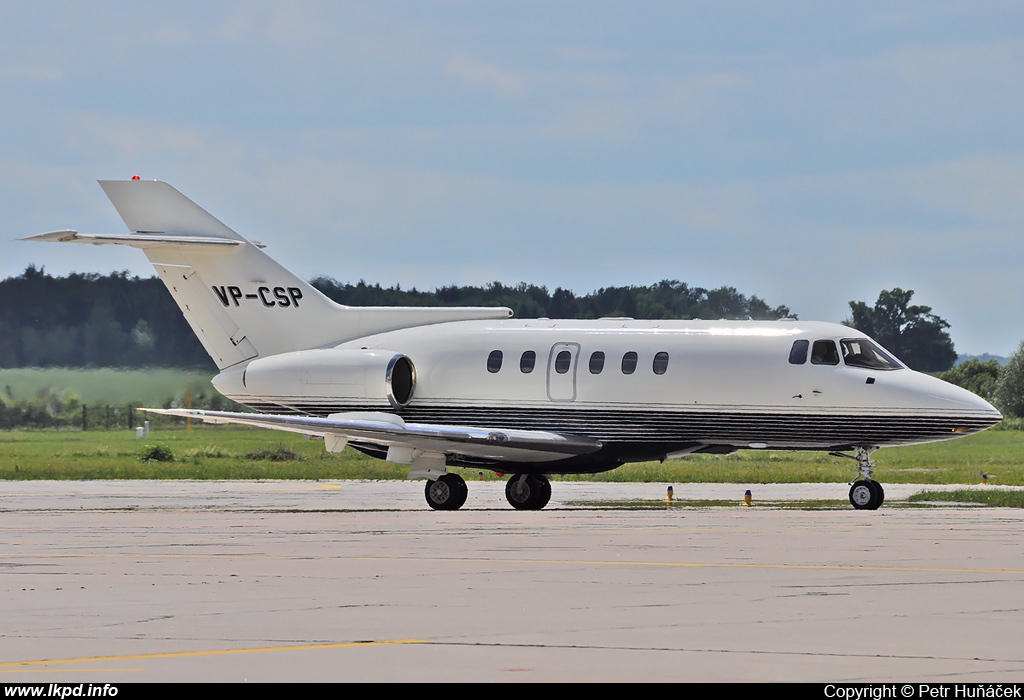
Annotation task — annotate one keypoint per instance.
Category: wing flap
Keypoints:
(389, 430)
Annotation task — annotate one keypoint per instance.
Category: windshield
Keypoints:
(861, 352)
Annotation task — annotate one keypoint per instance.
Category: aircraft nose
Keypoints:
(949, 396)
(993, 412)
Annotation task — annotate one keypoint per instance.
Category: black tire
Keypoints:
(447, 492)
(523, 494)
(866, 495)
(544, 491)
(462, 490)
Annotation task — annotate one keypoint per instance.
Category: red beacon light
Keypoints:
(136, 177)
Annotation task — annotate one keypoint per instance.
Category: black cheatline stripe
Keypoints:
(681, 426)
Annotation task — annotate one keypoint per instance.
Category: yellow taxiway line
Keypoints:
(203, 652)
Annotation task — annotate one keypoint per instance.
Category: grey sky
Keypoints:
(810, 153)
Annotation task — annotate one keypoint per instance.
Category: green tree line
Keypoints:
(92, 320)
(668, 299)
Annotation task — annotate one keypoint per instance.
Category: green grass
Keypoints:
(207, 452)
(1009, 423)
(998, 498)
(148, 387)
(230, 452)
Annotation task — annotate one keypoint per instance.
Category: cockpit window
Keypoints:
(824, 353)
(798, 353)
(860, 352)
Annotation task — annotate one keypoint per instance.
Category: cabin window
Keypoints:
(798, 353)
(661, 363)
(562, 361)
(527, 361)
(629, 363)
(824, 353)
(861, 352)
(597, 362)
(494, 361)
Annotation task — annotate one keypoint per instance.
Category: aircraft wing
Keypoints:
(388, 430)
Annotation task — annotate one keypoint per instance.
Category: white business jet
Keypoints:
(472, 387)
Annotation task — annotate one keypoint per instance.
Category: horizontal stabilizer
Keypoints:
(52, 237)
(135, 240)
(389, 430)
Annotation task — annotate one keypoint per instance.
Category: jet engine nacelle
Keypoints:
(376, 375)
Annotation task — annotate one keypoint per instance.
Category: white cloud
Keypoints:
(990, 188)
(32, 73)
(500, 82)
(294, 24)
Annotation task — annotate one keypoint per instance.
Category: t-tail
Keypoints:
(241, 303)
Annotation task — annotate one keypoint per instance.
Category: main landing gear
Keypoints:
(865, 492)
(523, 491)
(447, 492)
(528, 491)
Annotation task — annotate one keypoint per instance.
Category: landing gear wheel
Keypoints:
(544, 494)
(528, 492)
(463, 494)
(861, 495)
(866, 495)
(448, 492)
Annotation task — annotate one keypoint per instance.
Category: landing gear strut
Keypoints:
(528, 491)
(448, 492)
(865, 492)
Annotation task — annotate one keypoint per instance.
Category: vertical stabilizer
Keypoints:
(151, 206)
(240, 302)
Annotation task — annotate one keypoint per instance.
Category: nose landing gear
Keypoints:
(865, 492)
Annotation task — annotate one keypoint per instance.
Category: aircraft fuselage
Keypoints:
(644, 389)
